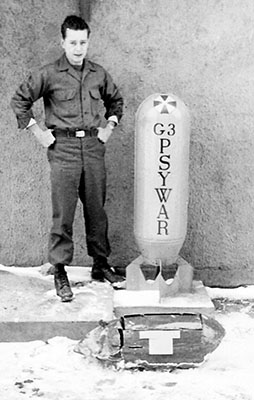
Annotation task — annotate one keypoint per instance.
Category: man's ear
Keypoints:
(62, 43)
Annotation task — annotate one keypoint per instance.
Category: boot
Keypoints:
(101, 270)
(62, 284)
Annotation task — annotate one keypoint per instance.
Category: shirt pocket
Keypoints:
(66, 103)
(65, 94)
(95, 101)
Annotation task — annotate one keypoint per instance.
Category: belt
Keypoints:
(78, 133)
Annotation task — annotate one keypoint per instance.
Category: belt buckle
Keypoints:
(80, 134)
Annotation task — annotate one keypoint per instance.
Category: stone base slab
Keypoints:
(128, 302)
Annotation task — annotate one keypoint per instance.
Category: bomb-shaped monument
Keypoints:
(161, 178)
(162, 142)
(164, 321)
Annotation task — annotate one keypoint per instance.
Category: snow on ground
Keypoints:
(53, 371)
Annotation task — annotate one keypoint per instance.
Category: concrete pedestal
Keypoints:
(175, 296)
(128, 302)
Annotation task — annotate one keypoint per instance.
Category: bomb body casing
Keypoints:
(162, 135)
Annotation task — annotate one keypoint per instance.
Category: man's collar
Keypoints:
(64, 65)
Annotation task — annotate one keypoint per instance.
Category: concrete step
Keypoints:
(30, 309)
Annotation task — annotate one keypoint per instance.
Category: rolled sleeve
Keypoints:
(112, 99)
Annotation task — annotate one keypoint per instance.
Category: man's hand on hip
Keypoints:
(105, 133)
(44, 137)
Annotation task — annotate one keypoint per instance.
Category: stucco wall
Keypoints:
(200, 50)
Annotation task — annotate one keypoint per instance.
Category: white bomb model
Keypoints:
(162, 135)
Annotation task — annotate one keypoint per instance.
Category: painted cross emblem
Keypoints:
(160, 342)
(164, 104)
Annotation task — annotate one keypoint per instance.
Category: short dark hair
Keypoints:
(76, 23)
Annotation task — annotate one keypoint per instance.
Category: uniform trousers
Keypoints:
(77, 171)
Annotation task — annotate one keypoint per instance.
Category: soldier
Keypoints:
(71, 88)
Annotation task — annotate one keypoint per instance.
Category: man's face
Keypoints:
(75, 45)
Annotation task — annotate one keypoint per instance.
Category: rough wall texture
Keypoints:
(200, 50)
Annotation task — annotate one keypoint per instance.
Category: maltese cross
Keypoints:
(164, 104)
